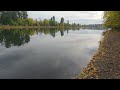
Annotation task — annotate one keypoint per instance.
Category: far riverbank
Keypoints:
(29, 27)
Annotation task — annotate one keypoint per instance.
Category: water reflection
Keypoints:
(19, 37)
(10, 38)
(46, 53)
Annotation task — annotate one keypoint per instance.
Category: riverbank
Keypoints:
(34, 27)
(105, 64)
(23, 27)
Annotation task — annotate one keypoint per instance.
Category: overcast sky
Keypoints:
(82, 17)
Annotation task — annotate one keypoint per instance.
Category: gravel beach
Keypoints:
(105, 64)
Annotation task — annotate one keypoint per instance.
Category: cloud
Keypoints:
(87, 21)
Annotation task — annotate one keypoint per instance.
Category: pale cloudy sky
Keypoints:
(82, 17)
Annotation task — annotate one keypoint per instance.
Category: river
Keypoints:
(46, 54)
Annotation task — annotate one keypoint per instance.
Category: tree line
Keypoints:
(20, 18)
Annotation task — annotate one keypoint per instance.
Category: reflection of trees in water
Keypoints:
(61, 32)
(67, 31)
(20, 37)
(10, 38)
(52, 31)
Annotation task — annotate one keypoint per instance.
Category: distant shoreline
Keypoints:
(22, 27)
(36, 27)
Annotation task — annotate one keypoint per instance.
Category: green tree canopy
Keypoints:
(12, 17)
(112, 19)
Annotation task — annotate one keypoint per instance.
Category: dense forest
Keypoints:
(20, 18)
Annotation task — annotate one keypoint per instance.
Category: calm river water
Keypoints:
(46, 54)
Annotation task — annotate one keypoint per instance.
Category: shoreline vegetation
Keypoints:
(7, 27)
(59, 27)
(23, 27)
